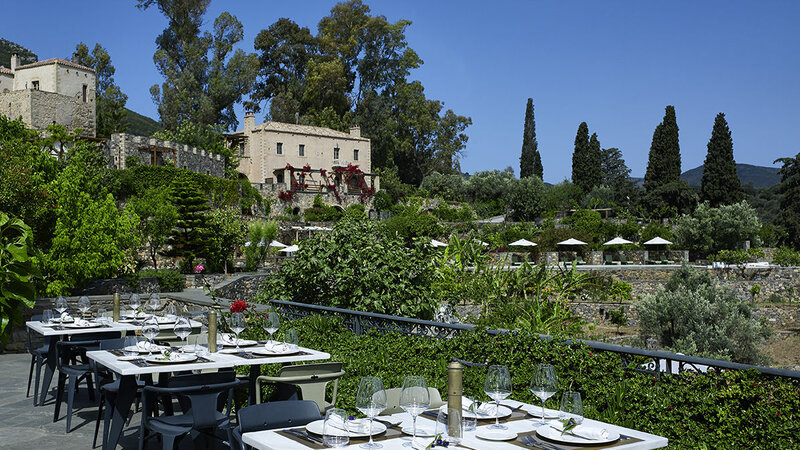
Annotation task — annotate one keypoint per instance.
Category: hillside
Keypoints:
(7, 48)
(760, 176)
(140, 125)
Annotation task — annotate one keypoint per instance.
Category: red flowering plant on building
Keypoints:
(238, 306)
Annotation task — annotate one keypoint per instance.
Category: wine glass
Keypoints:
(371, 400)
(414, 399)
(183, 328)
(154, 303)
(170, 312)
(150, 330)
(237, 325)
(571, 407)
(333, 432)
(102, 316)
(543, 385)
(61, 307)
(83, 305)
(271, 323)
(497, 386)
(135, 303)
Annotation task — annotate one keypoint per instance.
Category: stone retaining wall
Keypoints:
(243, 288)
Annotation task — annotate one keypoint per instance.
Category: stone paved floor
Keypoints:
(25, 427)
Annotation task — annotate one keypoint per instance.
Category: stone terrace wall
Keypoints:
(241, 288)
(123, 145)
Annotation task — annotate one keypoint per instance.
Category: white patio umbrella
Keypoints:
(435, 243)
(478, 241)
(571, 241)
(523, 243)
(618, 241)
(275, 243)
(290, 249)
(248, 244)
(657, 241)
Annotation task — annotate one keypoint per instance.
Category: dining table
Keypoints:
(129, 370)
(523, 423)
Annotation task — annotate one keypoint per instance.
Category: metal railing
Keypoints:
(656, 362)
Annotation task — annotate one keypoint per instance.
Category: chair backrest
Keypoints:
(28, 344)
(201, 393)
(281, 414)
(313, 379)
(393, 400)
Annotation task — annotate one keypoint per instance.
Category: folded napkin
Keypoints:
(228, 338)
(276, 348)
(584, 431)
(353, 426)
(81, 323)
(421, 443)
(65, 316)
(145, 345)
(482, 409)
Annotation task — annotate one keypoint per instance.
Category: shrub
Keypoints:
(709, 229)
(410, 225)
(446, 186)
(17, 290)
(786, 257)
(259, 235)
(525, 198)
(169, 280)
(739, 256)
(692, 315)
(457, 214)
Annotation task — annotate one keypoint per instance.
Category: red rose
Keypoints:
(238, 306)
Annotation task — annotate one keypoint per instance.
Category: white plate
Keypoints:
(502, 412)
(156, 349)
(58, 320)
(180, 359)
(89, 325)
(421, 431)
(242, 343)
(269, 352)
(495, 435)
(128, 358)
(536, 411)
(317, 425)
(546, 431)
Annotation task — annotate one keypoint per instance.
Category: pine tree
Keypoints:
(580, 166)
(530, 161)
(720, 185)
(187, 238)
(664, 162)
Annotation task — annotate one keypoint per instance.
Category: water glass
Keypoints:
(371, 400)
(102, 316)
(150, 330)
(333, 434)
(201, 345)
(83, 305)
(170, 312)
(183, 328)
(154, 303)
(497, 386)
(135, 302)
(414, 399)
(47, 316)
(271, 322)
(290, 340)
(571, 407)
(451, 431)
(470, 415)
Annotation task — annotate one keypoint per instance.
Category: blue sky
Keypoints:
(613, 64)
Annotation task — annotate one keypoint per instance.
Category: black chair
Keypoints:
(200, 396)
(73, 367)
(38, 356)
(273, 415)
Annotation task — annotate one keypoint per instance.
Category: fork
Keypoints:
(532, 441)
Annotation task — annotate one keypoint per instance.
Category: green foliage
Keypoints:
(17, 273)
(445, 186)
(524, 198)
(664, 162)
(786, 257)
(617, 176)
(188, 237)
(321, 212)
(656, 229)
(459, 213)
(356, 266)
(109, 98)
(789, 215)
(720, 184)
(226, 234)
(530, 161)
(691, 314)
(259, 234)
(618, 317)
(157, 216)
(209, 138)
(562, 197)
(591, 223)
(738, 256)
(586, 159)
(669, 200)
(712, 229)
(169, 280)
(410, 224)
(549, 237)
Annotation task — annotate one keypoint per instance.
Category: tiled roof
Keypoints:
(63, 62)
(4, 70)
(303, 129)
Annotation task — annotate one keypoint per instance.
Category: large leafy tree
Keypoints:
(586, 160)
(664, 162)
(203, 76)
(720, 185)
(530, 161)
(228, 235)
(17, 273)
(616, 174)
(157, 215)
(110, 99)
(789, 215)
(708, 229)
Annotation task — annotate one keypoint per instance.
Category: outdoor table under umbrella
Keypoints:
(614, 242)
(657, 242)
(290, 249)
(275, 243)
(574, 243)
(520, 243)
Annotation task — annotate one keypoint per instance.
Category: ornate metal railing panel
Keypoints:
(652, 362)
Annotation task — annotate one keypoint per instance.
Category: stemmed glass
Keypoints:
(497, 386)
(271, 323)
(371, 400)
(61, 307)
(543, 384)
(150, 330)
(135, 303)
(183, 328)
(571, 407)
(414, 399)
(154, 303)
(83, 306)
(237, 325)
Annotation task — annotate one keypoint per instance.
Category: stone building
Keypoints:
(122, 146)
(50, 91)
(281, 157)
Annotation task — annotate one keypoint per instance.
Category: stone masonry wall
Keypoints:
(305, 200)
(123, 145)
(243, 288)
(39, 109)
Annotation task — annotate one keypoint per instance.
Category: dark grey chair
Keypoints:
(38, 356)
(273, 415)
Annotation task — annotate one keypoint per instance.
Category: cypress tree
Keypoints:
(664, 162)
(530, 161)
(580, 168)
(187, 238)
(720, 185)
(789, 215)
(594, 163)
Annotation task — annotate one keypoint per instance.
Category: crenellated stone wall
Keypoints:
(123, 145)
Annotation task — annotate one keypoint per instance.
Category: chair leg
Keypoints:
(97, 422)
(231, 442)
(62, 378)
(30, 377)
(91, 386)
(167, 441)
(39, 362)
(73, 386)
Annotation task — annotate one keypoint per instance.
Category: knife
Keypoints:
(304, 435)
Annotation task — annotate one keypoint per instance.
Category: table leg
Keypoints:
(122, 407)
(49, 369)
(255, 372)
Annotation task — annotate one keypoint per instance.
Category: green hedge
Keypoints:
(731, 409)
(169, 280)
